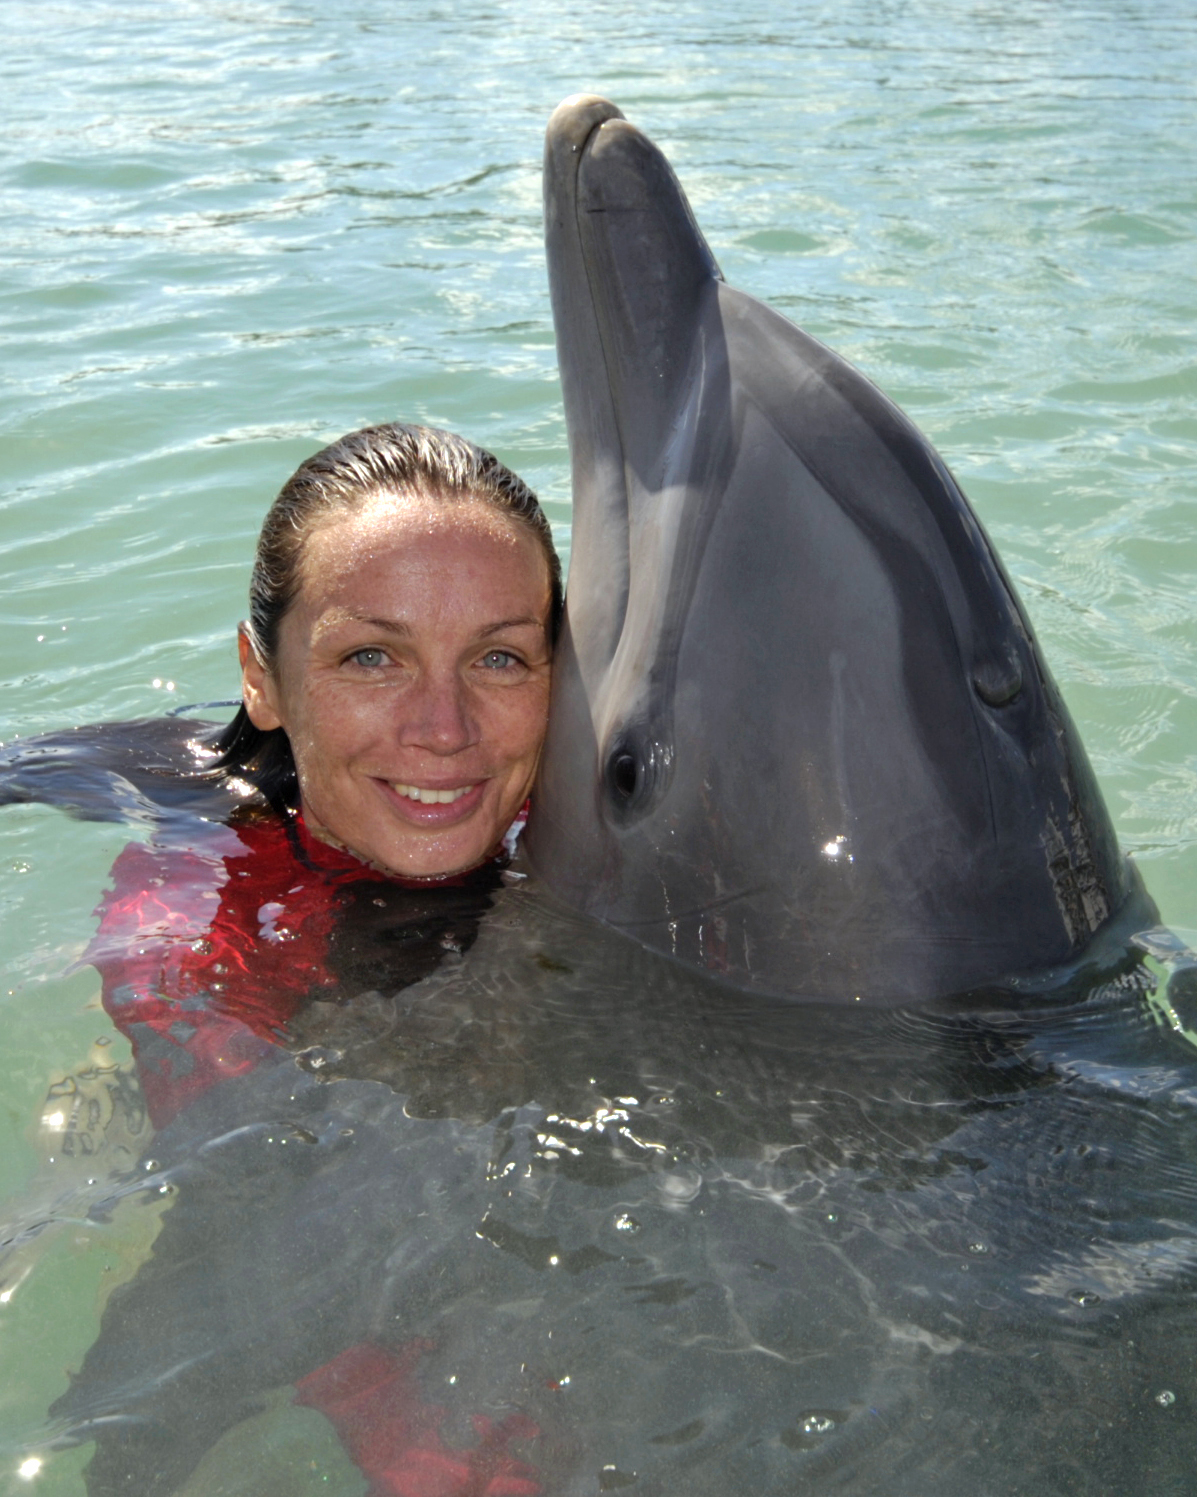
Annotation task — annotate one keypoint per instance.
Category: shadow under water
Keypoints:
(685, 1234)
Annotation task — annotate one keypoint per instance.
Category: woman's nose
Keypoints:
(437, 715)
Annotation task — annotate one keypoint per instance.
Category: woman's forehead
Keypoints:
(417, 530)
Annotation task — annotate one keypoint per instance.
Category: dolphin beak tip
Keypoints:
(574, 118)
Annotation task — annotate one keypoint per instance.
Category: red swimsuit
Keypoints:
(206, 951)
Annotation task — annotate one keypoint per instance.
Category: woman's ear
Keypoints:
(257, 684)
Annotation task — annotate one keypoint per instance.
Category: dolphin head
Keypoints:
(801, 733)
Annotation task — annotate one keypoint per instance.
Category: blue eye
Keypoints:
(499, 660)
(370, 658)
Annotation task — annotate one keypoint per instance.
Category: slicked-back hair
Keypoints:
(341, 479)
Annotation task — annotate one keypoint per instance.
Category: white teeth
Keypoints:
(431, 797)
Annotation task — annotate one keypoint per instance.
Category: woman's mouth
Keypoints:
(430, 797)
(434, 805)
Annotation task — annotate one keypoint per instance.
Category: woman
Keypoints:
(403, 606)
(395, 668)
(396, 660)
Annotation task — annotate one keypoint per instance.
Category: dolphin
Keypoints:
(802, 735)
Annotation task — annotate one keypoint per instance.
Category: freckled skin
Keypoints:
(416, 653)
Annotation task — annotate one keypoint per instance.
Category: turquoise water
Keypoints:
(235, 230)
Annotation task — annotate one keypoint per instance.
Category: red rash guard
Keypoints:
(207, 950)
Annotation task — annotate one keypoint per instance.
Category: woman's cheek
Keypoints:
(532, 720)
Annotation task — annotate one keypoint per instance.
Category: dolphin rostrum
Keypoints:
(801, 732)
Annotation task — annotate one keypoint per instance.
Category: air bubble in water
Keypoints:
(1165, 1399)
(1085, 1298)
(810, 1429)
(626, 1223)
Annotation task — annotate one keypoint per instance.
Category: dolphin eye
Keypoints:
(623, 773)
(636, 773)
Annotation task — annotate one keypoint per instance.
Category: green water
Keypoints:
(235, 230)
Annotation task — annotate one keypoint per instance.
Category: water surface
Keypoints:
(236, 230)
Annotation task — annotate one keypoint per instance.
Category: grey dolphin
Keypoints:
(801, 733)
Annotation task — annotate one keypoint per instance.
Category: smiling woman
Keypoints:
(396, 661)
(403, 606)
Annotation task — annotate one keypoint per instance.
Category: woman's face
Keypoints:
(412, 680)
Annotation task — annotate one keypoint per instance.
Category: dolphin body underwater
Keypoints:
(646, 1221)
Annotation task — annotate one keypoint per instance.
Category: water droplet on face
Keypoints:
(1165, 1399)
(1085, 1298)
(626, 1223)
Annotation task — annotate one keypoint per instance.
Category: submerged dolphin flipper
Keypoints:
(801, 733)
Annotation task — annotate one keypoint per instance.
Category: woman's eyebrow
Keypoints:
(535, 623)
(340, 616)
(403, 630)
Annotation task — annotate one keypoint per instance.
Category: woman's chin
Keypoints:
(427, 851)
(435, 862)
